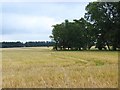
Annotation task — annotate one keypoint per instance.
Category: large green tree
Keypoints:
(100, 27)
(75, 35)
(106, 17)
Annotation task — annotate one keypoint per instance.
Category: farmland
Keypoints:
(41, 67)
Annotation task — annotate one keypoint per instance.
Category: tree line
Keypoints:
(100, 27)
(26, 44)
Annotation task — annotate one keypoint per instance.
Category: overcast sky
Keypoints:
(32, 21)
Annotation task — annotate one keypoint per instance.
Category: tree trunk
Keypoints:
(100, 48)
(114, 48)
(108, 46)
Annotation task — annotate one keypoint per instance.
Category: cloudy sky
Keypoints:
(32, 21)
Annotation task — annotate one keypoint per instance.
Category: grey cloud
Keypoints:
(22, 21)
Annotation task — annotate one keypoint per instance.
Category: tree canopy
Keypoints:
(99, 27)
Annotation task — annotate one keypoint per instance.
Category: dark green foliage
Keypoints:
(100, 28)
(27, 44)
(106, 19)
(72, 35)
(38, 44)
(11, 44)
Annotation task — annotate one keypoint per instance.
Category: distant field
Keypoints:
(42, 67)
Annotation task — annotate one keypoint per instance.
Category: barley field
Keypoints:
(41, 67)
